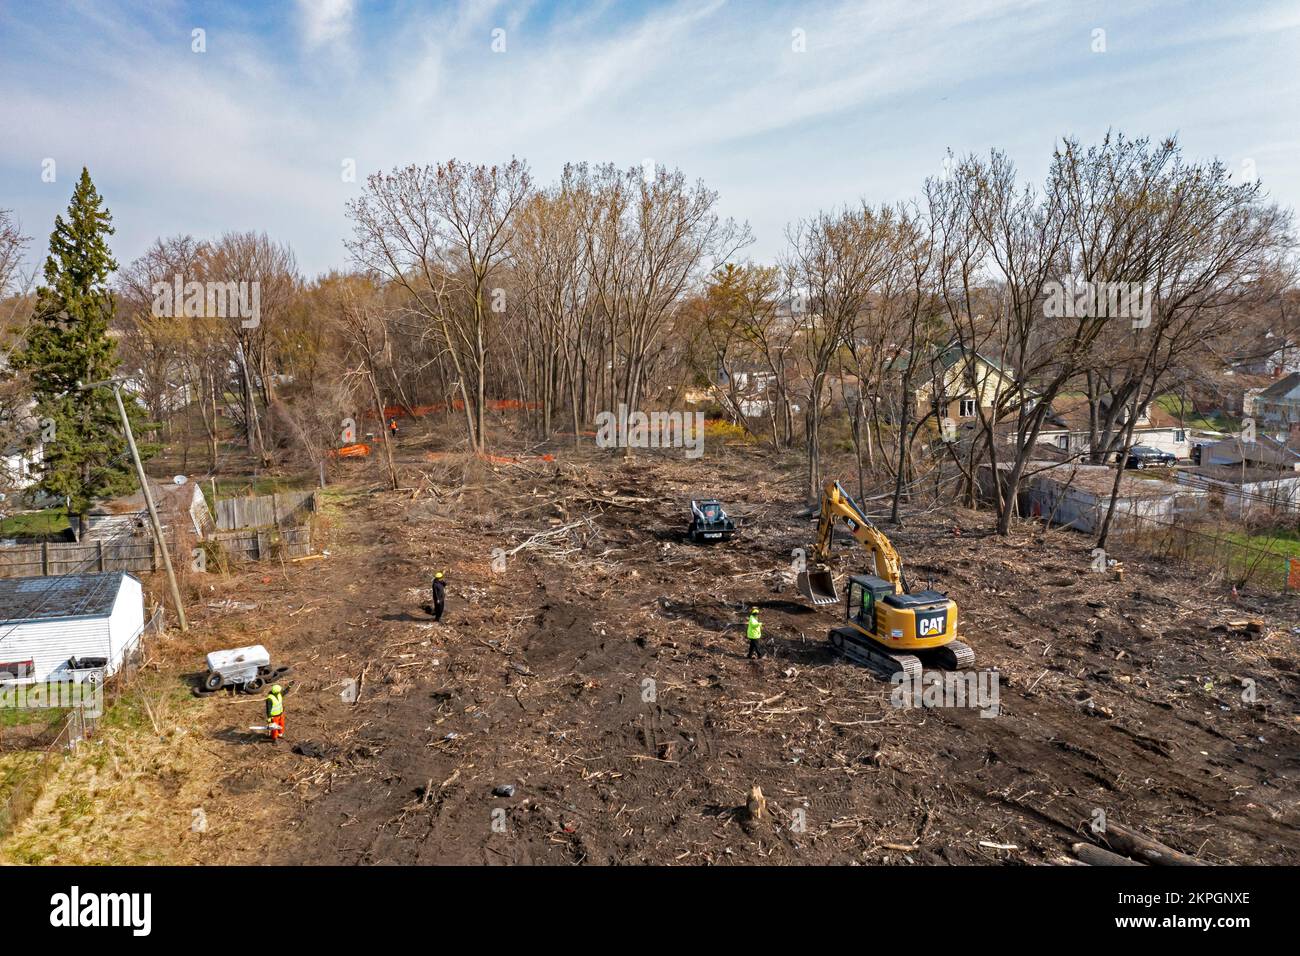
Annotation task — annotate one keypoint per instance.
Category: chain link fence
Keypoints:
(1264, 557)
(28, 759)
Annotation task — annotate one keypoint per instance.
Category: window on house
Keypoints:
(1063, 442)
(967, 408)
(1180, 435)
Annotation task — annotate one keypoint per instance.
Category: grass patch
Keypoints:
(15, 765)
(44, 718)
(1265, 570)
(1180, 408)
(126, 796)
(35, 524)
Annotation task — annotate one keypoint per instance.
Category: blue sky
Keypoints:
(253, 132)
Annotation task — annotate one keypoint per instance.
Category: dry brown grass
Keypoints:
(144, 789)
(125, 796)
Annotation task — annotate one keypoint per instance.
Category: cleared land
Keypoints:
(1119, 695)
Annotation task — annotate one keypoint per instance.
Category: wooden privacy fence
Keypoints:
(257, 544)
(54, 558)
(251, 529)
(265, 511)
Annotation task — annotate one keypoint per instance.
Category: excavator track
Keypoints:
(853, 646)
(954, 656)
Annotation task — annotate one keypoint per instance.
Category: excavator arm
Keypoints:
(817, 583)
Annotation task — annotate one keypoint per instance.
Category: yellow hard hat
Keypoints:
(753, 610)
(276, 689)
(438, 575)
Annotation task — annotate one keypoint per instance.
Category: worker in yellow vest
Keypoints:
(275, 712)
(754, 635)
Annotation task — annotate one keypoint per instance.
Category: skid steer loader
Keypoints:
(709, 522)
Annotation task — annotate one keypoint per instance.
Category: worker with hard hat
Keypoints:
(275, 712)
(439, 595)
(754, 635)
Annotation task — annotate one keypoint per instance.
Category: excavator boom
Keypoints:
(816, 582)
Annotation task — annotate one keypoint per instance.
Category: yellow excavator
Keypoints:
(889, 628)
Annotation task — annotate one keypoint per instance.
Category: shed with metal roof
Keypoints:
(62, 628)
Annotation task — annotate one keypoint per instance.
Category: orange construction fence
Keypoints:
(419, 411)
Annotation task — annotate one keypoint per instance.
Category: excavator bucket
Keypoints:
(818, 587)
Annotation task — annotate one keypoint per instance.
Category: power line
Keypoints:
(50, 589)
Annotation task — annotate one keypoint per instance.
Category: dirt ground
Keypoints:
(601, 675)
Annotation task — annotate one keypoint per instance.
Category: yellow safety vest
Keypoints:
(276, 705)
(754, 630)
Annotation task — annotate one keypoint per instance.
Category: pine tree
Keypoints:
(67, 345)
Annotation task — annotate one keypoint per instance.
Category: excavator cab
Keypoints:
(864, 592)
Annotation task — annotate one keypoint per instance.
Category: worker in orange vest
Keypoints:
(275, 712)
(392, 428)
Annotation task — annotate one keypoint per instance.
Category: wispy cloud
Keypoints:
(861, 102)
(325, 21)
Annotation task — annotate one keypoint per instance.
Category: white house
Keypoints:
(53, 628)
(1279, 404)
(1066, 428)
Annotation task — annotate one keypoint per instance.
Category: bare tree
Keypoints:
(441, 233)
(834, 263)
(251, 260)
(1202, 242)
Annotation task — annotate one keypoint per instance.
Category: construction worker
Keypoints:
(392, 428)
(275, 712)
(754, 634)
(439, 595)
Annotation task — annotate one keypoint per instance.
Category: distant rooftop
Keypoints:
(1236, 475)
(1282, 388)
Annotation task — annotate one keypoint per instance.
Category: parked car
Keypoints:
(1144, 456)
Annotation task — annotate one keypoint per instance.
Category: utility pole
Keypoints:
(153, 512)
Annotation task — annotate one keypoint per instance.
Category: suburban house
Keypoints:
(65, 628)
(20, 462)
(1066, 428)
(1278, 406)
(966, 382)
(751, 385)
(20, 466)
